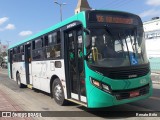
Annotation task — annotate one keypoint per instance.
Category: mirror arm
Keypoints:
(87, 31)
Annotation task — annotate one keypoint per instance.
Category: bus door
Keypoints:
(28, 63)
(75, 65)
(11, 62)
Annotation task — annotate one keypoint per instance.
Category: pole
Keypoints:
(60, 5)
(61, 12)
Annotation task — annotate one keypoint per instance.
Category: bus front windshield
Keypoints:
(118, 47)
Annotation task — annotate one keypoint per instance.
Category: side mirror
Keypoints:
(88, 38)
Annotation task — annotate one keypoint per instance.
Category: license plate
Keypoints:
(134, 93)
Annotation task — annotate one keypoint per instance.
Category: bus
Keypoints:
(96, 58)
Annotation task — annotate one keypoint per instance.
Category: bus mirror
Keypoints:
(88, 39)
(88, 42)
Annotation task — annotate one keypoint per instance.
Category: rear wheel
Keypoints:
(18, 78)
(58, 93)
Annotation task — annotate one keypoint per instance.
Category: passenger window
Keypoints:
(37, 52)
(54, 46)
(45, 41)
(38, 43)
(52, 38)
(22, 49)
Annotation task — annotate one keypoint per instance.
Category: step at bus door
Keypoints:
(75, 65)
(28, 63)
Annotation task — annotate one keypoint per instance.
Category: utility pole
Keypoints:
(60, 5)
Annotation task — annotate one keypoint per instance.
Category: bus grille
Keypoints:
(120, 95)
(127, 74)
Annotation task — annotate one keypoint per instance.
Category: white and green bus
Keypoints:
(96, 58)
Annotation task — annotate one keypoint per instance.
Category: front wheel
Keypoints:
(58, 93)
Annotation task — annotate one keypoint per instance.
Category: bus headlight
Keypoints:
(105, 88)
(96, 83)
(100, 85)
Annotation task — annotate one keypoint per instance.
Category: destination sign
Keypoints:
(110, 19)
(114, 18)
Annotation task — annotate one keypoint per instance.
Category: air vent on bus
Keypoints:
(130, 73)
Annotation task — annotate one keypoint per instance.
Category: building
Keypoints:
(82, 6)
(152, 36)
(3, 48)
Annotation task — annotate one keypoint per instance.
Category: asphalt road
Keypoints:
(34, 100)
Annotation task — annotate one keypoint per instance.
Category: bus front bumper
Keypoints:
(100, 99)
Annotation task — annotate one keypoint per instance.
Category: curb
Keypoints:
(155, 82)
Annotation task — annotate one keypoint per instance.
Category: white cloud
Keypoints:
(25, 33)
(10, 27)
(153, 2)
(150, 13)
(3, 20)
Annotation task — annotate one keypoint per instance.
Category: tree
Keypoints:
(4, 54)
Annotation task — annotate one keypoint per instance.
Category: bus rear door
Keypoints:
(28, 64)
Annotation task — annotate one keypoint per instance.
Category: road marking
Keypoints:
(155, 98)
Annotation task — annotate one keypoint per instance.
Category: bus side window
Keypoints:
(54, 46)
(37, 51)
(14, 54)
(22, 52)
(45, 41)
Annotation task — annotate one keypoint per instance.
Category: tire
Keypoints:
(18, 79)
(58, 93)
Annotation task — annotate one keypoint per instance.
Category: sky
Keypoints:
(20, 19)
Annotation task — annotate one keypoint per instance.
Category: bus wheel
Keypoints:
(57, 92)
(19, 80)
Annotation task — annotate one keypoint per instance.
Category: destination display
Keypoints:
(110, 19)
(113, 18)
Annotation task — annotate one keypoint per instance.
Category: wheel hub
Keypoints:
(58, 92)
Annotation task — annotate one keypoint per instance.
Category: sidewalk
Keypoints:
(6, 104)
(155, 78)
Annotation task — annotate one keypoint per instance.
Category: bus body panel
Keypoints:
(19, 67)
(42, 72)
(127, 83)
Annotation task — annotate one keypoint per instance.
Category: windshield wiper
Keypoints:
(134, 52)
(120, 40)
(128, 50)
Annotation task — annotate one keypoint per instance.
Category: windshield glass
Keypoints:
(116, 47)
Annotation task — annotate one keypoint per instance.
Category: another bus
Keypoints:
(96, 58)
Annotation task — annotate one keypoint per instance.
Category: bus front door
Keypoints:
(75, 65)
(28, 64)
